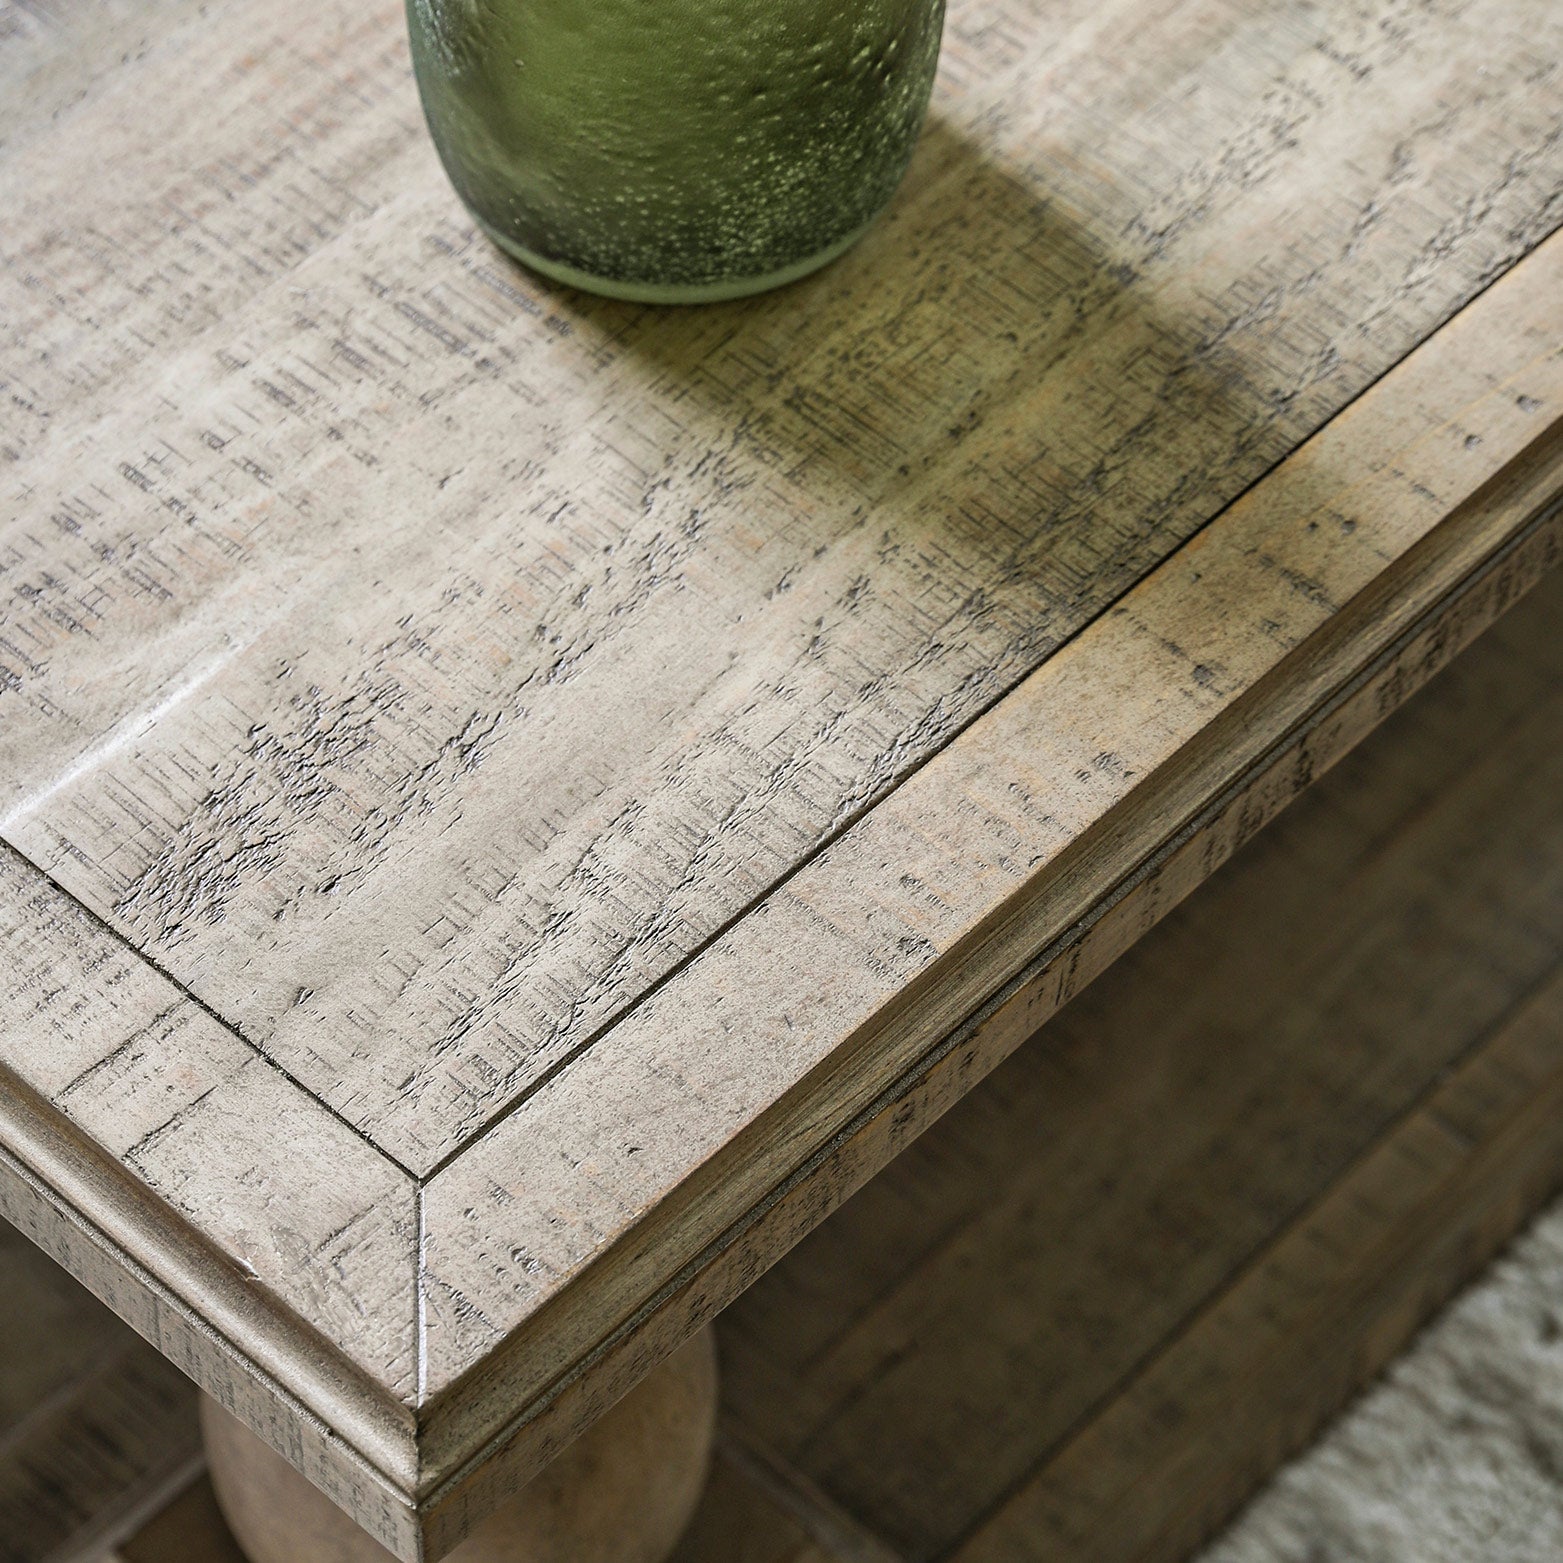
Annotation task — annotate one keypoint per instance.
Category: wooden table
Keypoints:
(514, 806)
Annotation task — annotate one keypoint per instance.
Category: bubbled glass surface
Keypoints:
(675, 147)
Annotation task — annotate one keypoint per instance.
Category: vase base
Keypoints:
(673, 292)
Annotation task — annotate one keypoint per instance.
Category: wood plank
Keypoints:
(886, 1127)
(1097, 1303)
(1152, 1322)
(1191, 1440)
(746, 1516)
(736, 1521)
(571, 1222)
(1375, 849)
(92, 1420)
(1140, 259)
(55, 53)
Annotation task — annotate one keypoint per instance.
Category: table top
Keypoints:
(514, 804)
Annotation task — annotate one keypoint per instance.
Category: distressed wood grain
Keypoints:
(1222, 1202)
(198, 1119)
(54, 53)
(530, 800)
(379, 541)
(255, 1240)
(1287, 636)
(1446, 624)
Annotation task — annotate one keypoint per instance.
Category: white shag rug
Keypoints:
(1456, 1456)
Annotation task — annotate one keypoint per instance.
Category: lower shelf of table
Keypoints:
(96, 1429)
(1093, 1307)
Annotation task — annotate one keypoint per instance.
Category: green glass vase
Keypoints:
(675, 151)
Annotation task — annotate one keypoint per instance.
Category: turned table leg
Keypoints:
(622, 1493)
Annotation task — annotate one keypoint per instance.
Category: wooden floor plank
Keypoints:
(92, 1419)
(1251, 1379)
(744, 1518)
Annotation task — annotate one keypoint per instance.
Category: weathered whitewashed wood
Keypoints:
(199, 1120)
(1399, 677)
(516, 731)
(1048, 815)
(419, 666)
(213, 1204)
(53, 53)
(884, 1132)
(1089, 1309)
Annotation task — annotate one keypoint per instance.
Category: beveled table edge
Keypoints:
(139, 1257)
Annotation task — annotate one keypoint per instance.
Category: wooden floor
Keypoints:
(94, 1424)
(1086, 1314)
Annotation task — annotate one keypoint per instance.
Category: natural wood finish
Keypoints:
(55, 53)
(1078, 352)
(163, 1089)
(570, 789)
(623, 1492)
(740, 1520)
(114, 1087)
(93, 1422)
(851, 1048)
(1087, 1312)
